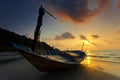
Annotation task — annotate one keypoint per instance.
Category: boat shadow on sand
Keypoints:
(79, 73)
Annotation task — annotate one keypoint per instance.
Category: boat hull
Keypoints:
(45, 64)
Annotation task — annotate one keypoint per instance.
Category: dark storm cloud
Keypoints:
(95, 36)
(77, 10)
(82, 37)
(66, 35)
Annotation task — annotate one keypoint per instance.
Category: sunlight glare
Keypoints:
(86, 42)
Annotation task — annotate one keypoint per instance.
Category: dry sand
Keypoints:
(23, 70)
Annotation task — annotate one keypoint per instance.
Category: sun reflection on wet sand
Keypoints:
(108, 67)
(87, 60)
(90, 62)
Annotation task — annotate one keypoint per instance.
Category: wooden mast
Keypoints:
(38, 26)
(82, 46)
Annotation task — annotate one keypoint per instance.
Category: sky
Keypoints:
(94, 22)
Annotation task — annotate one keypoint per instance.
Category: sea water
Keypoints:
(112, 56)
(104, 60)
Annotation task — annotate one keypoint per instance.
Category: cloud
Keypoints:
(95, 36)
(77, 10)
(103, 3)
(118, 5)
(108, 42)
(119, 31)
(83, 37)
(66, 35)
(117, 38)
(47, 39)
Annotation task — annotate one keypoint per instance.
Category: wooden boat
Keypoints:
(45, 60)
(51, 60)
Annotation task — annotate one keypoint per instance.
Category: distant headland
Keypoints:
(8, 37)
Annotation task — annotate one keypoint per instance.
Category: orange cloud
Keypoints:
(95, 36)
(102, 4)
(64, 36)
(118, 5)
(119, 31)
(83, 37)
(77, 11)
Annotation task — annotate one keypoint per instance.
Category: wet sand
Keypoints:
(23, 70)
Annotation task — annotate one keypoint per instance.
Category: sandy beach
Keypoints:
(60, 34)
(23, 70)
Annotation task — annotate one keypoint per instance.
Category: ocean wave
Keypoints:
(107, 61)
(103, 56)
(99, 56)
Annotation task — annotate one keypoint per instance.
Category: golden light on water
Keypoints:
(88, 58)
(88, 61)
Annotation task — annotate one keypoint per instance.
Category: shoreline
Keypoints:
(17, 68)
(107, 67)
(9, 56)
(22, 69)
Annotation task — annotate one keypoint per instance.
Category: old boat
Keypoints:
(49, 60)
